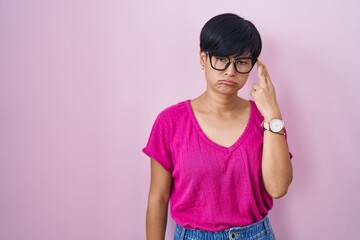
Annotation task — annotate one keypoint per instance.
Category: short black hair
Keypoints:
(229, 34)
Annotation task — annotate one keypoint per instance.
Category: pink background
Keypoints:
(81, 83)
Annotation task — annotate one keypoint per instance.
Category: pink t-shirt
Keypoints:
(214, 187)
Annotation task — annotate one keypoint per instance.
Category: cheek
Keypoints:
(243, 78)
(210, 75)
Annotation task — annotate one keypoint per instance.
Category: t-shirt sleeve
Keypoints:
(158, 145)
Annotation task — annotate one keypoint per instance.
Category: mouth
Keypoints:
(227, 82)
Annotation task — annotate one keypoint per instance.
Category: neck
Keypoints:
(220, 104)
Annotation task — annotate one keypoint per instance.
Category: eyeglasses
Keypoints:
(242, 64)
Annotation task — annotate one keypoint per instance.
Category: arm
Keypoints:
(276, 165)
(158, 199)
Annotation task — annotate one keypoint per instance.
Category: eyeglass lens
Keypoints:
(242, 65)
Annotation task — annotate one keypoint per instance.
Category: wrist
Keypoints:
(282, 132)
(275, 125)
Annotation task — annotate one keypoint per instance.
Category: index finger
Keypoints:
(262, 72)
(264, 76)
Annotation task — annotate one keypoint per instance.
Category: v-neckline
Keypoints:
(212, 143)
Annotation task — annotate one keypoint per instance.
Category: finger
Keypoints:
(255, 87)
(252, 92)
(265, 73)
(267, 76)
(261, 72)
(264, 69)
(268, 80)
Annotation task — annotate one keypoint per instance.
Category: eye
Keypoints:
(221, 59)
(242, 62)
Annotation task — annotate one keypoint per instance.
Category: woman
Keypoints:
(220, 159)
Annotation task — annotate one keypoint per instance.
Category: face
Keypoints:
(228, 81)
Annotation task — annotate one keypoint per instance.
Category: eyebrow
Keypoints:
(242, 55)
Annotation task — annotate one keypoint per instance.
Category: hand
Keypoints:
(264, 95)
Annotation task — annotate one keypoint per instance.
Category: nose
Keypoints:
(230, 70)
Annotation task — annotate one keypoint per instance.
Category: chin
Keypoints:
(227, 91)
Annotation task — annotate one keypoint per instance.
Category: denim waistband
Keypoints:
(253, 231)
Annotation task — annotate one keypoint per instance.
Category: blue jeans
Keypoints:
(258, 231)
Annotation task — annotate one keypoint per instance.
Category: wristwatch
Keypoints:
(275, 126)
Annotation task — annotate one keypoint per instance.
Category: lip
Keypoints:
(227, 82)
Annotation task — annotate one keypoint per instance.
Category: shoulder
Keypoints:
(172, 119)
(172, 115)
(174, 111)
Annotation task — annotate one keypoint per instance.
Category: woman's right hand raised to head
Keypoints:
(264, 95)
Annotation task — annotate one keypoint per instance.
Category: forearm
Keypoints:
(156, 219)
(276, 164)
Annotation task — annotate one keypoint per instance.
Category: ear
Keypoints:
(203, 56)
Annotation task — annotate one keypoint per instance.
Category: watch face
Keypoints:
(276, 125)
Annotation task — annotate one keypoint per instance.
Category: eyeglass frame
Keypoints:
(253, 60)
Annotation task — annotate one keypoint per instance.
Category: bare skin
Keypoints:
(158, 200)
(223, 116)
